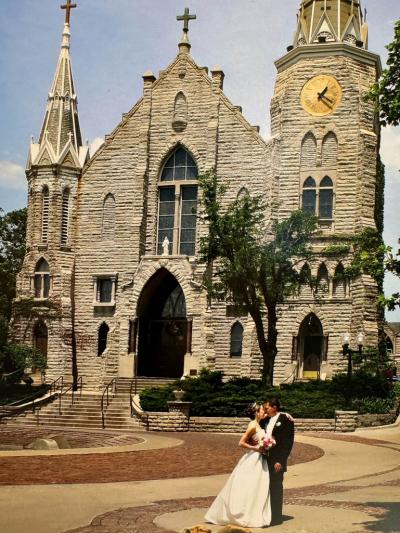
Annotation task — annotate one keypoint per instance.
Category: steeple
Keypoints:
(60, 140)
(331, 21)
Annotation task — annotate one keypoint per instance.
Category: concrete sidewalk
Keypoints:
(357, 478)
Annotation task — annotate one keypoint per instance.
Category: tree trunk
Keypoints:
(267, 345)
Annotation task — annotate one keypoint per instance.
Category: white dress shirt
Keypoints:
(271, 424)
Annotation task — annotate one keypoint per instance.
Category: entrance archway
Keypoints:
(163, 327)
(311, 347)
(40, 337)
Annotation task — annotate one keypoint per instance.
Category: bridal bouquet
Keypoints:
(266, 444)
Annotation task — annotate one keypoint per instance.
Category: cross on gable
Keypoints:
(186, 17)
(68, 6)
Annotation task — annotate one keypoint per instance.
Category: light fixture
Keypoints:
(346, 339)
(360, 339)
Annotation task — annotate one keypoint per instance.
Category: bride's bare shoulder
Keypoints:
(252, 425)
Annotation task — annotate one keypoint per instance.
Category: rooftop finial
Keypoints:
(68, 6)
(184, 45)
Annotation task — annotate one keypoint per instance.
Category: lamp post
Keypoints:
(348, 352)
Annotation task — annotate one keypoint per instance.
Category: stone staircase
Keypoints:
(85, 413)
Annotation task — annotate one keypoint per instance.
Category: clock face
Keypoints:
(321, 95)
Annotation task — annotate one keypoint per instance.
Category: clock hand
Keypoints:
(326, 101)
(321, 95)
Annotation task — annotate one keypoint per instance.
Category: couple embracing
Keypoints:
(253, 494)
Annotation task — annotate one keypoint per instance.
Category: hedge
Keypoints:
(211, 396)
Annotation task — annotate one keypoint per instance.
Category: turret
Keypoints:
(339, 21)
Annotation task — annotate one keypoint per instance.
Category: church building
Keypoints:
(112, 285)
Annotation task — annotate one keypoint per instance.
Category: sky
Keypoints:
(115, 41)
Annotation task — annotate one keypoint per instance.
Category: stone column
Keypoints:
(346, 421)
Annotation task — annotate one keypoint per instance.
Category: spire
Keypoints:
(184, 45)
(331, 21)
(60, 138)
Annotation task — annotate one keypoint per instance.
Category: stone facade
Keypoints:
(107, 275)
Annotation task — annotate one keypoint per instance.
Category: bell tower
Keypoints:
(326, 139)
(53, 171)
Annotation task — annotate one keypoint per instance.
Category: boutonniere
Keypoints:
(278, 424)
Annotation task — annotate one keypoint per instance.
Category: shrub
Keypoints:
(373, 405)
(362, 385)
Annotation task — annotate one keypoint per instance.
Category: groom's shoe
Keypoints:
(276, 522)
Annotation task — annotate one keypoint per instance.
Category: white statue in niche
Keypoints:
(165, 246)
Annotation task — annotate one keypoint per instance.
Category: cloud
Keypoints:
(12, 176)
(390, 148)
(95, 145)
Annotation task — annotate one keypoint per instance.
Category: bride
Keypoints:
(245, 499)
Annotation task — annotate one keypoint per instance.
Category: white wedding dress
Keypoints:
(244, 500)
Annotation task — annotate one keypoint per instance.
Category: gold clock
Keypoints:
(321, 95)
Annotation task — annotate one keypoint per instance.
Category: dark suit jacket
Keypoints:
(283, 433)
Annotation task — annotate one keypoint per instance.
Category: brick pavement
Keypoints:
(199, 455)
(384, 515)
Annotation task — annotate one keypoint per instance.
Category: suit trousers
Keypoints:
(276, 493)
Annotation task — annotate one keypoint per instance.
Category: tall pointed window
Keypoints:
(236, 340)
(177, 208)
(318, 200)
(310, 195)
(42, 279)
(65, 216)
(45, 214)
(326, 199)
(102, 338)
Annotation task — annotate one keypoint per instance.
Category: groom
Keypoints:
(281, 428)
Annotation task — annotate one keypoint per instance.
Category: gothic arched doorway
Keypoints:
(163, 327)
(40, 339)
(312, 347)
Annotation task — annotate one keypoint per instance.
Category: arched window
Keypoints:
(322, 279)
(177, 210)
(305, 279)
(102, 340)
(310, 196)
(389, 345)
(45, 214)
(42, 279)
(329, 150)
(236, 340)
(242, 193)
(65, 216)
(339, 282)
(179, 122)
(108, 219)
(309, 151)
(326, 199)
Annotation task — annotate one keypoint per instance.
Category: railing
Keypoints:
(79, 386)
(135, 409)
(106, 396)
(293, 376)
(30, 402)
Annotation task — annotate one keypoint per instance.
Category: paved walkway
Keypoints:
(352, 487)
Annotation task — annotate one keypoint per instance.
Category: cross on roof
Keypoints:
(186, 17)
(68, 6)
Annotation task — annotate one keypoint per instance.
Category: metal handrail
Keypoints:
(134, 409)
(79, 386)
(105, 393)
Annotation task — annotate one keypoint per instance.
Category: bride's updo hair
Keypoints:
(252, 409)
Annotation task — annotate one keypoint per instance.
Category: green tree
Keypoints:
(12, 251)
(386, 91)
(251, 263)
(15, 358)
(374, 258)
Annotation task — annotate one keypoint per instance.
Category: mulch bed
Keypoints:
(200, 455)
